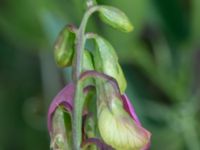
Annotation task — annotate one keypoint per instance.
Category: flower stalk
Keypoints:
(77, 67)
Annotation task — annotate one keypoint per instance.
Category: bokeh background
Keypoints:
(161, 60)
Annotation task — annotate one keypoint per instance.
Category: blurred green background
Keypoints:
(161, 60)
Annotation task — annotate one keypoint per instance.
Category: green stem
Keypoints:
(77, 68)
(80, 43)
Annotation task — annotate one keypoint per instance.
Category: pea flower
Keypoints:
(59, 119)
(115, 125)
(118, 123)
(59, 122)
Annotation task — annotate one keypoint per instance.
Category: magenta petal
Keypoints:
(129, 108)
(147, 146)
(65, 98)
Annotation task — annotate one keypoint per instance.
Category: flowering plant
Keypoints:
(74, 120)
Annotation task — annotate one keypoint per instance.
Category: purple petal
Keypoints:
(130, 109)
(147, 146)
(65, 98)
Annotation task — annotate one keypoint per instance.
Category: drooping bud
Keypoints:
(119, 127)
(115, 18)
(106, 61)
(64, 46)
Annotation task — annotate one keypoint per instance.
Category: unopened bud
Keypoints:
(106, 61)
(115, 18)
(64, 47)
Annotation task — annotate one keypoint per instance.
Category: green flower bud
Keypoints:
(118, 129)
(64, 47)
(61, 136)
(106, 61)
(115, 18)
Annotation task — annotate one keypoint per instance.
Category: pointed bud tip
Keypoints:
(129, 27)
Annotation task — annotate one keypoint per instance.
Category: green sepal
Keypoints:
(106, 61)
(87, 61)
(64, 46)
(115, 18)
(87, 65)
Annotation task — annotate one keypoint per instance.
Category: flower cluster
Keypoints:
(93, 112)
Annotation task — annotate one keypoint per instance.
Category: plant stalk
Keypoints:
(77, 68)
